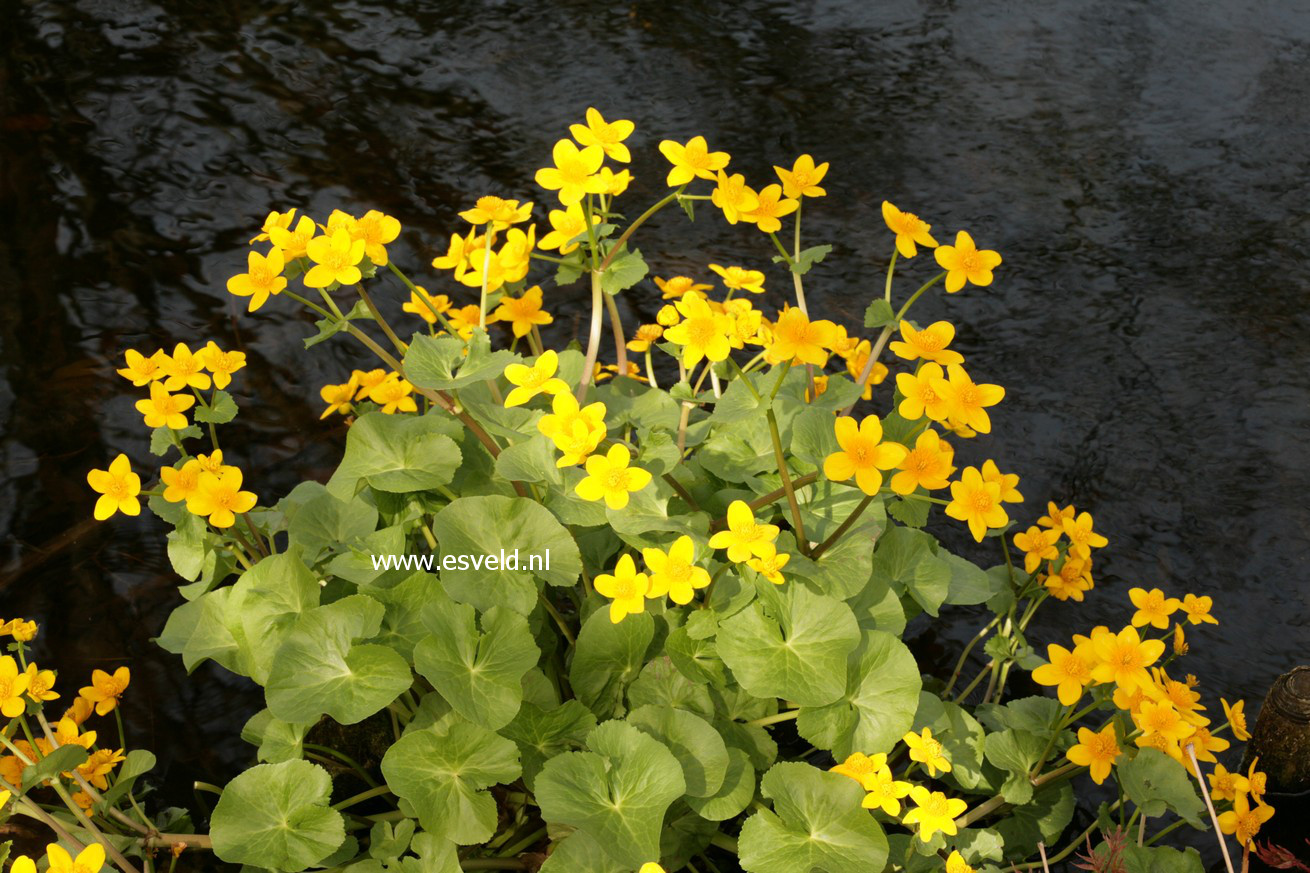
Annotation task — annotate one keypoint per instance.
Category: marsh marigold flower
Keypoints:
(855, 362)
(523, 312)
(497, 211)
(770, 207)
(803, 179)
(609, 135)
(955, 863)
(1225, 785)
(394, 394)
(1082, 539)
(1070, 672)
(338, 398)
(1037, 545)
(89, 860)
(106, 689)
(795, 338)
(860, 767)
(1153, 607)
(964, 262)
(13, 687)
(734, 277)
(675, 572)
(182, 369)
(692, 160)
(220, 498)
(376, 230)
(909, 229)
(275, 220)
(222, 364)
(919, 398)
(426, 306)
(928, 465)
(927, 751)
(884, 791)
(1095, 751)
(1124, 657)
(568, 229)
(676, 286)
(702, 333)
(263, 277)
(1236, 716)
(1244, 821)
(1198, 609)
(576, 431)
(929, 344)
(646, 336)
(733, 196)
(626, 589)
(610, 477)
(934, 812)
(863, 454)
(336, 259)
(457, 253)
(967, 401)
(118, 488)
(770, 566)
(140, 370)
(41, 684)
(181, 482)
(745, 537)
(651, 867)
(534, 379)
(574, 173)
(292, 243)
(977, 503)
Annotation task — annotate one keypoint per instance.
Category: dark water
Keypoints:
(1141, 167)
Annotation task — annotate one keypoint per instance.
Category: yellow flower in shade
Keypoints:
(338, 398)
(220, 498)
(100, 765)
(275, 219)
(574, 173)
(182, 369)
(213, 463)
(770, 207)
(609, 477)
(1153, 607)
(23, 631)
(1198, 609)
(933, 812)
(510, 264)
(140, 370)
(955, 863)
(1124, 658)
(41, 684)
(1236, 716)
(456, 257)
(677, 286)
(376, 230)
(626, 589)
(394, 394)
(646, 336)
(1071, 581)
(13, 687)
(694, 160)
(118, 488)
(1082, 539)
(568, 229)
(496, 211)
(884, 791)
(263, 277)
(1225, 785)
(909, 229)
(1205, 744)
(291, 243)
(967, 401)
(927, 751)
(529, 381)
(733, 196)
(1186, 700)
(799, 340)
(1244, 821)
(608, 135)
(861, 768)
(1257, 780)
(335, 258)
(855, 366)
(734, 277)
(523, 312)
(702, 333)
(106, 689)
(863, 454)
(1008, 482)
(1180, 641)
(1162, 717)
(1069, 671)
(1095, 751)
(977, 503)
(745, 537)
(222, 364)
(929, 344)
(803, 179)
(425, 305)
(675, 572)
(770, 566)
(928, 465)
(919, 397)
(79, 712)
(820, 387)
(1037, 545)
(1055, 516)
(465, 320)
(964, 262)
(89, 860)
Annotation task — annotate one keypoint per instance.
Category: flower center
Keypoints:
(624, 588)
(970, 262)
(982, 502)
(936, 805)
(616, 480)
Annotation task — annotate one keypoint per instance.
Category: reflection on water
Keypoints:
(1141, 169)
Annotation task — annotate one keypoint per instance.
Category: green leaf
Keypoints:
(607, 658)
(616, 793)
(623, 272)
(138, 763)
(905, 558)
(276, 740)
(879, 314)
(444, 774)
(327, 521)
(817, 823)
(970, 584)
(530, 460)
(1016, 752)
(912, 513)
(697, 746)
(800, 654)
(320, 670)
(330, 327)
(479, 674)
(396, 453)
(660, 683)
(1043, 819)
(61, 760)
(220, 411)
(1158, 783)
(581, 853)
(276, 816)
(188, 546)
(808, 258)
(1158, 859)
(882, 694)
(161, 438)
(484, 526)
(812, 435)
(734, 795)
(541, 734)
(739, 403)
(431, 361)
(961, 736)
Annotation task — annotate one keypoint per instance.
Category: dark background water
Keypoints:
(1141, 167)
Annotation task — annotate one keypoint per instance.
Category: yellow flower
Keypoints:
(703, 333)
(1071, 581)
(290, 243)
(184, 370)
(1096, 751)
(1082, 539)
(855, 362)
(425, 306)
(335, 259)
(1257, 779)
(651, 867)
(89, 860)
(523, 312)
(41, 684)
(338, 398)
(927, 751)
(529, 381)
(23, 631)
(919, 397)
(799, 340)
(1205, 744)
(465, 320)
(884, 791)
(456, 257)
(1055, 516)
(366, 382)
(118, 488)
(1245, 821)
(376, 230)
(675, 572)
(733, 196)
(1225, 785)
(965, 400)
(610, 477)
(275, 219)
(510, 264)
(1037, 545)
(394, 394)
(106, 690)
(574, 173)
(1153, 607)
(803, 179)
(770, 566)
(745, 537)
(1236, 716)
(770, 206)
(263, 277)
(140, 370)
(933, 812)
(569, 227)
(626, 589)
(13, 685)
(820, 387)
(575, 431)
(668, 316)
(613, 184)
(1180, 641)
(955, 863)
(1198, 609)
(79, 712)
(678, 285)
(496, 211)
(1162, 717)
(861, 768)
(694, 160)
(1069, 671)
(734, 277)
(977, 503)
(646, 336)
(220, 498)
(222, 364)
(927, 465)
(909, 229)
(863, 454)
(929, 344)
(1124, 658)
(1008, 482)
(608, 135)
(964, 262)
(99, 765)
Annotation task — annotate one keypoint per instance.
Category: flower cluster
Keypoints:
(1063, 539)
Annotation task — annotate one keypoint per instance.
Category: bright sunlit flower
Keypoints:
(745, 537)
(797, 339)
(770, 566)
(964, 262)
(694, 160)
(180, 483)
(523, 312)
(608, 135)
(1055, 516)
(855, 363)
(734, 277)
(1124, 657)
(336, 259)
(275, 219)
(929, 344)
(884, 790)
(13, 688)
(220, 498)
(1037, 545)
(222, 364)
(425, 305)
(1082, 539)
(861, 767)
(909, 229)
(675, 287)
(967, 401)
(534, 379)
(928, 465)
(1071, 581)
(376, 230)
(863, 454)
(955, 863)
(645, 337)
(919, 397)
(140, 370)
(182, 369)
(293, 242)
(1153, 607)
(106, 690)
(770, 207)
(1244, 821)
(40, 684)
(89, 860)
(394, 394)
(263, 277)
(496, 211)
(610, 478)
(1069, 671)
(803, 179)
(568, 229)
(574, 173)
(733, 196)
(1225, 785)
(702, 333)
(933, 812)
(675, 572)
(1095, 751)
(118, 488)
(1236, 716)
(977, 503)
(626, 589)
(927, 751)
(580, 429)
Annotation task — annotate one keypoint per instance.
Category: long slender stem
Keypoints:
(964, 656)
(891, 269)
(559, 619)
(382, 322)
(799, 482)
(786, 715)
(34, 810)
(486, 268)
(845, 526)
(616, 324)
(802, 544)
(641, 219)
(81, 780)
(795, 276)
(886, 335)
(593, 338)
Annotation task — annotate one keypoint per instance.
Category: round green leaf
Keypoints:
(397, 453)
(734, 795)
(276, 816)
(697, 746)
